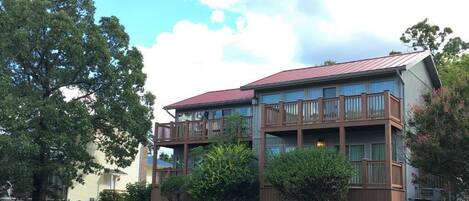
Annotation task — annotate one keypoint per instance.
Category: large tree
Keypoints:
(426, 36)
(439, 135)
(66, 83)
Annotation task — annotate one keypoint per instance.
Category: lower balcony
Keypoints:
(199, 131)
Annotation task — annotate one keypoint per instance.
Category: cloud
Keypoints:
(217, 16)
(195, 57)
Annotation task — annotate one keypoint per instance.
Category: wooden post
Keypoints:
(342, 140)
(186, 131)
(321, 109)
(365, 173)
(186, 158)
(388, 153)
(204, 131)
(155, 157)
(281, 107)
(387, 105)
(262, 157)
(364, 106)
(300, 112)
(341, 108)
(299, 138)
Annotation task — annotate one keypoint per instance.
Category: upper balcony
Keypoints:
(199, 131)
(359, 109)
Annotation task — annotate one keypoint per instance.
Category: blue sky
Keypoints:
(193, 46)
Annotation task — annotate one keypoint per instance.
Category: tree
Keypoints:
(438, 135)
(233, 131)
(454, 70)
(425, 36)
(166, 157)
(227, 172)
(139, 191)
(173, 188)
(66, 82)
(316, 174)
(329, 62)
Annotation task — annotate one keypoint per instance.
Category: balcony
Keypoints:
(197, 131)
(373, 174)
(376, 106)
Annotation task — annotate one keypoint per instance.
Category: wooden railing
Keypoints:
(202, 130)
(342, 108)
(373, 173)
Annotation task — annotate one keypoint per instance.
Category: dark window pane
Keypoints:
(329, 92)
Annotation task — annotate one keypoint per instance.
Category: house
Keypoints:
(357, 107)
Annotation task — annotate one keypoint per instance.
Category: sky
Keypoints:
(194, 46)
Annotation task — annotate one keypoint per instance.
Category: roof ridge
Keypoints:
(346, 62)
(222, 90)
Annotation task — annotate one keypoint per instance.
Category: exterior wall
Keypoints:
(95, 183)
(416, 82)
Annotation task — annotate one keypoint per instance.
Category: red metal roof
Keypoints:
(229, 96)
(346, 68)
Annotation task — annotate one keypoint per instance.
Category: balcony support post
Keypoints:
(365, 173)
(387, 105)
(364, 106)
(321, 109)
(342, 140)
(299, 138)
(388, 153)
(300, 112)
(262, 156)
(281, 108)
(341, 108)
(186, 158)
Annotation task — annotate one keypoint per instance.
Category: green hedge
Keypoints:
(227, 172)
(310, 174)
(174, 187)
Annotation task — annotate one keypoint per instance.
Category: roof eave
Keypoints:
(323, 79)
(210, 104)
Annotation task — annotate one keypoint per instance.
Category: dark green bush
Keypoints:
(310, 174)
(227, 172)
(138, 192)
(110, 195)
(174, 187)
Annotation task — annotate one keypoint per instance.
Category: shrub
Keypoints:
(110, 195)
(227, 172)
(138, 192)
(310, 174)
(173, 187)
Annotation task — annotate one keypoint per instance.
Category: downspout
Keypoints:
(398, 73)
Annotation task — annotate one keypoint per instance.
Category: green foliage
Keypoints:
(174, 187)
(66, 83)
(138, 192)
(329, 62)
(110, 195)
(316, 174)
(196, 154)
(233, 130)
(438, 135)
(227, 172)
(425, 36)
(166, 157)
(454, 70)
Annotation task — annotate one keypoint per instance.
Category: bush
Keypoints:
(173, 187)
(310, 174)
(227, 172)
(110, 195)
(138, 192)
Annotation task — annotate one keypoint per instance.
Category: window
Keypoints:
(185, 116)
(294, 95)
(329, 92)
(352, 89)
(198, 115)
(381, 86)
(356, 152)
(315, 93)
(244, 111)
(226, 112)
(216, 114)
(377, 152)
(269, 99)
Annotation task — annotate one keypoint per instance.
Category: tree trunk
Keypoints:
(39, 193)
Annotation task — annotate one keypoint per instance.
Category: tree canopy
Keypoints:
(66, 83)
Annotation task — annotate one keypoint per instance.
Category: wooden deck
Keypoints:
(196, 132)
